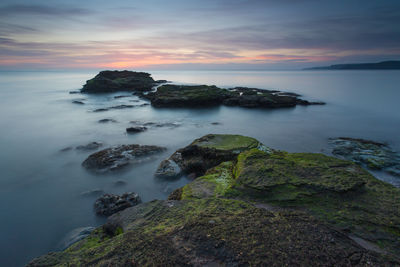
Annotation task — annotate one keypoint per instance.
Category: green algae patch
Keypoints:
(336, 191)
(227, 142)
(215, 183)
(216, 231)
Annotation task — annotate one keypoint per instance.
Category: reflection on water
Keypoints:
(41, 187)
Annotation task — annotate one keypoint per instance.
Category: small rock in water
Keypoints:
(106, 120)
(74, 92)
(137, 129)
(109, 204)
(89, 146)
(116, 157)
(75, 236)
(65, 149)
(78, 102)
(216, 123)
(92, 193)
(100, 110)
(120, 183)
(168, 169)
(121, 96)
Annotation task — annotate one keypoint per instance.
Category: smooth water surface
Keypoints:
(41, 187)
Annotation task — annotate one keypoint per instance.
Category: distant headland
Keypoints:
(384, 65)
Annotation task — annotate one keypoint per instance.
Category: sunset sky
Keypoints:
(207, 34)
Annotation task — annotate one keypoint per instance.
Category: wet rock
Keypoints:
(121, 96)
(75, 236)
(74, 92)
(371, 154)
(157, 124)
(78, 102)
(162, 81)
(65, 149)
(202, 95)
(117, 157)
(106, 120)
(168, 169)
(113, 81)
(92, 193)
(119, 183)
(109, 204)
(90, 146)
(114, 107)
(216, 123)
(204, 153)
(137, 129)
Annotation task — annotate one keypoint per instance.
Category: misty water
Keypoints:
(41, 186)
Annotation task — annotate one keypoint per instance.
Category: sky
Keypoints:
(188, 34)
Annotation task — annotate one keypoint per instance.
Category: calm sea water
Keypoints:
(40, 187)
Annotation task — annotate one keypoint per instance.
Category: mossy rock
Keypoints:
(338, 192)
(214, 231)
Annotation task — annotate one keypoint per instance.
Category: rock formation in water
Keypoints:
(113, 81)
(117, 157)
(252, 206)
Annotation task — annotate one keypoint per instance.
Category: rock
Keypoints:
(113, 81)
(213, 232)
(216, 123)
(117, 157)
(371, 154)
(75, 236)
(114, 107)
(89, 146)
(92, 193)
(168, 169)
(78, 102)
(121, 96)
(136, 129)
(119, 183)
(259, 207)
(157, 124)
(74, 92)
(109, 204)
(202, 95)
(65, 149)
(106, 120)
(204, 153)
(162, 81)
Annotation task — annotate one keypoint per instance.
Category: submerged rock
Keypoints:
(254, 206)
(78, 102)
(373, 155)
(202, 95)
(92, 193)
(113, 81)
(106, 120)
(137, 129)
(89, 146)
(117, 157)
(109, 204)
(114, 107)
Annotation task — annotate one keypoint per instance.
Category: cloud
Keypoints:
(15, 10)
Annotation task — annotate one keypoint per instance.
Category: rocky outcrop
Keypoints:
(371, 154)
(109, 204)
(117, 157)
(203, 95)
(253, 206)
(114, 81)
(204, 153)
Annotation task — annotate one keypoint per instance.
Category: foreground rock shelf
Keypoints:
(252, 205)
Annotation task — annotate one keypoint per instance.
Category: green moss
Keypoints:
(227, 142)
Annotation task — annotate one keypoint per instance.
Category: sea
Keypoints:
(44, 188)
